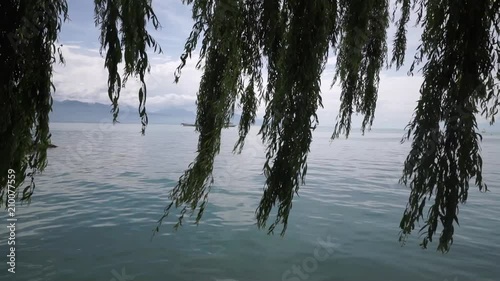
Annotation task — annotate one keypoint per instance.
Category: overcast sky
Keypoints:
(84, 78)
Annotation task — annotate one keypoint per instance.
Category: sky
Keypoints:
(84, 77)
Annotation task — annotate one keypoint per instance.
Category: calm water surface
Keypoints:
(95, 206)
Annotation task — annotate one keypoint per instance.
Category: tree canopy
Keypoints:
(289, 42)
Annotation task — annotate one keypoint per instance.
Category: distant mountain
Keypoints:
(70, 111)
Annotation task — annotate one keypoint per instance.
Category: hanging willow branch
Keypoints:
(28, 50)
(291, 112)
(220, 86)
(361, 55)
(292, 37)
(124, 36)
(460, 46)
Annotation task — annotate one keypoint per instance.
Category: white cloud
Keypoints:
(397, 98)
(84, 78)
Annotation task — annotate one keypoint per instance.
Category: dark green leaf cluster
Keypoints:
(28, 51)
(460, 47)
(362, 50)
(291, 40)
(231, 55)
(125, 38)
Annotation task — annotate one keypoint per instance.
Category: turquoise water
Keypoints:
(95, 207)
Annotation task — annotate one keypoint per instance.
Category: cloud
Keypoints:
(397, 98)
(84, 78)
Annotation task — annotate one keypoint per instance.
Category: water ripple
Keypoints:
(100, 197)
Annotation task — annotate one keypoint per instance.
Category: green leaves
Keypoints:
(291, 112)
(27, 52)
(219, 88)
(125, 38)
(236, 36)
(460, 64)
(460, 48)
(361, 53)
(399, 45)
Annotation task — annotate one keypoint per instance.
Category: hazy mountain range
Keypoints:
(70, 111)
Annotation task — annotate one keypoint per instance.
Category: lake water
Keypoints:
(94, 209)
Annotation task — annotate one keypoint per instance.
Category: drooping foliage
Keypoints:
(285, 43)
(28, 51)
(461, 50)
(361, 53)
(293, 40)
(126, 39)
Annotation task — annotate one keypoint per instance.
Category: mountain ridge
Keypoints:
(73, 111)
